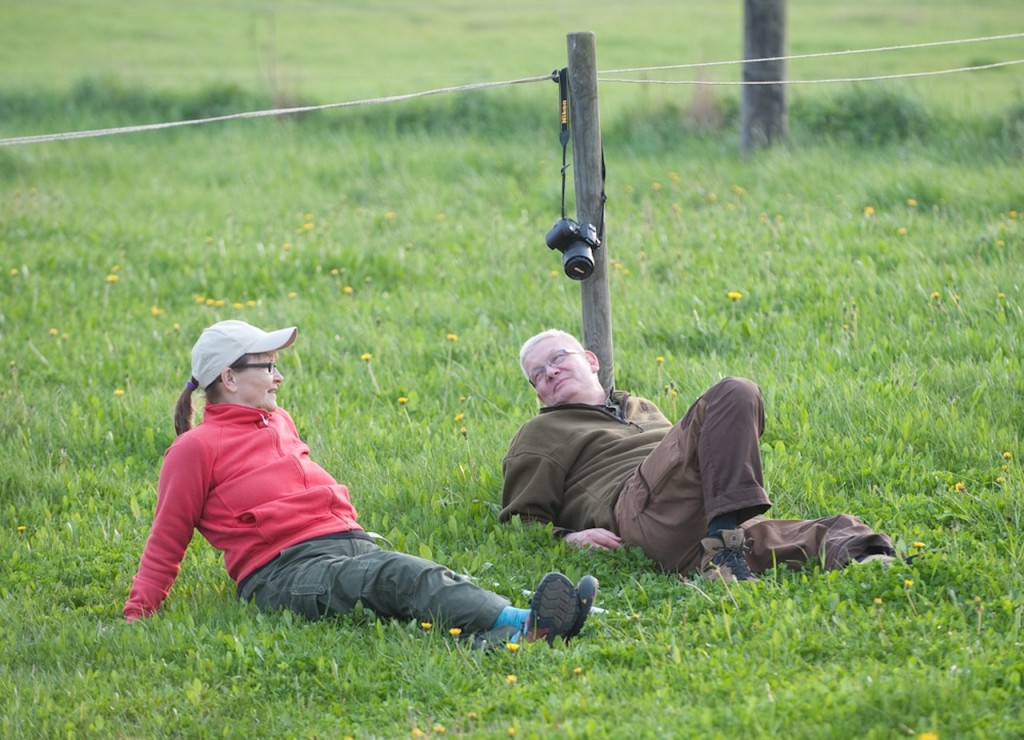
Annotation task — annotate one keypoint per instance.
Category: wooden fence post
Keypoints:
(588, 174)
(763, 109)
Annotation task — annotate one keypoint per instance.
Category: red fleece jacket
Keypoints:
(244, 479)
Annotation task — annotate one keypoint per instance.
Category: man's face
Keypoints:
(563, 372)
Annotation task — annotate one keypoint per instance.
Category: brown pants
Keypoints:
(710, 464)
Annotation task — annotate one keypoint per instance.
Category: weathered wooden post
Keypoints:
(763, 110)
(588, 175)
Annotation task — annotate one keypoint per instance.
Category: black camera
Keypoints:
(576, 242)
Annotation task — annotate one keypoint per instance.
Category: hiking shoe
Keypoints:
(586, 595)
(554, 610)
(725, 558)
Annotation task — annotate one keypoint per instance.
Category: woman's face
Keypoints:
(253, 382)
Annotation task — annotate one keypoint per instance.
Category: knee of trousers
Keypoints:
(738, 389)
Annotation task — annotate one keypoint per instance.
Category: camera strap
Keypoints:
(561, 76)
(563, 113)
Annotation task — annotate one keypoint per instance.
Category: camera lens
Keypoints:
(578, 261)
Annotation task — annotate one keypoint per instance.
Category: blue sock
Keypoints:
(512, 617)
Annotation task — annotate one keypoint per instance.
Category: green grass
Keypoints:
(882, 312)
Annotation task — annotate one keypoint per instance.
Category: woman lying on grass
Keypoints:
(288, 530)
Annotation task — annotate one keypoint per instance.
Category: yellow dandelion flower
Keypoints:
(402, 400)
(919, 545)
(119, 391)
(22, 527)
(426, 625)
(455, 631)
(439, 729)
(734, 295)
(656, 186)
(511, 679)
(54, 332)
(1001, 295)
(554, 273)
(928, 736)
(347, 290)
(1014, 214)
(959, 487)
(512, 646)
(416, 732)
(1007, 455)
(511, 731)
(460, 417)
(936, 295)
(292, 294)
(14, 272)
(779, 218)
(660, 360)
(877, 601)
(155, 310)
(1000, 480)
(577, 670)
(471, 715)
(287, 246)
(238, 305)
(366, 357)
(902, 231)
(111, 278)
(713, 197)
(462, 431)
(869, 211)
(453, 337)
(390, 215)
(250, 303)
(739, 190)
(908, 583)
(912, 202)
(441, 217)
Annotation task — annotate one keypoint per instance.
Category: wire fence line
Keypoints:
(832, 80)
(95, 133)
(819, 54)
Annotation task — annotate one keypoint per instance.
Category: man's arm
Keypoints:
(533, 491)
(534, 485)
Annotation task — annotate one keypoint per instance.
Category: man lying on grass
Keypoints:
(288, 530)
(608, 469)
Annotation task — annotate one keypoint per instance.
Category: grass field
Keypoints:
(878, 261)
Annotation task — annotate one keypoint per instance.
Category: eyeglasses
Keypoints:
(270, 367)
(557, 359)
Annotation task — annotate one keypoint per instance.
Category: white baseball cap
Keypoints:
(227, 342)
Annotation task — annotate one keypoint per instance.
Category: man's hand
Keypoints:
(603, 539)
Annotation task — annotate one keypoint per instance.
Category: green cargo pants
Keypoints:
(329, 576)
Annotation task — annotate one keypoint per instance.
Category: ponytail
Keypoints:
(184, 411)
